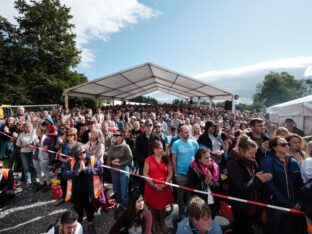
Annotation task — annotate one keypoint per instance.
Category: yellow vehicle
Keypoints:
(5, 110)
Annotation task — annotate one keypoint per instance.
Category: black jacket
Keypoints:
(196, 181)
(241, 183)
(306, 195)
(143, 148)
(260, 155)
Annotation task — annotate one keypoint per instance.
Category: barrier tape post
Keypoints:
(294, 211)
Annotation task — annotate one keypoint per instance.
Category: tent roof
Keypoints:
(144, 79)
(295, 101)
(297, 107)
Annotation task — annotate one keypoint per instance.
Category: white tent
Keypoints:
(300, 110)
(144, 79)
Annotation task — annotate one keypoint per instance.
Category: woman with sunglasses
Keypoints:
(66, 148)
(61, 136)
(283, 190)
(83, 183)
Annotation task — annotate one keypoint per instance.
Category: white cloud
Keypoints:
(308, 71)
(243, 80)
(87, 57)
(95, 19)
(296, 62)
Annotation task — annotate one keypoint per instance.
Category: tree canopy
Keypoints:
(37, 56)
(144, 99)
(280, 87)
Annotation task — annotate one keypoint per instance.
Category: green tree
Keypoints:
(178, 102)
(277, 88)
(143, 99)
(41, 53)
(306, 86)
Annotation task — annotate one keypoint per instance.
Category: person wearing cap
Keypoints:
(291, 126)
(143, 144)
(83, 183)
(133, 119)
(6, 183)
(90, 123)
(51, 131)
(120, 125)
(120, 156)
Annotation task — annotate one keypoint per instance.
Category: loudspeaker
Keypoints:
(228, 105)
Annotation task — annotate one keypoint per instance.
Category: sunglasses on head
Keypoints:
(117, 135)
(284, 144)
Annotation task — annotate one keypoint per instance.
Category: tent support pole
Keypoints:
(66, 100)
(233, 104)
(210, 102)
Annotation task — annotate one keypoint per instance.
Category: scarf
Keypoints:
(203, 170)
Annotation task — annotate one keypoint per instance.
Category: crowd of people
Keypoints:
(208, 149)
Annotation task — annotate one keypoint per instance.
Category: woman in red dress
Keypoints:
(158, 195)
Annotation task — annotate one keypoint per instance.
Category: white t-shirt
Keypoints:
(78, 230)
(306, 169)
(25, 139)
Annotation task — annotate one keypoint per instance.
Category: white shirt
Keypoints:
(306, 169)
(78, 230)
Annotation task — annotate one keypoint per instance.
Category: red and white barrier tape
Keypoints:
(294, 211)
(206, 193)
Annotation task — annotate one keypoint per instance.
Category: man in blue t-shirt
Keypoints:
(183, 152)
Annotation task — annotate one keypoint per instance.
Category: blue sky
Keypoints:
(195, 36)
(213, 40)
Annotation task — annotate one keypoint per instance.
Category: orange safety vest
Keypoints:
(5, 173)
(309, 228)
(97, 184)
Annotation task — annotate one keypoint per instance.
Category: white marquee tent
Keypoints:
(300, 110)
(144, 79)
